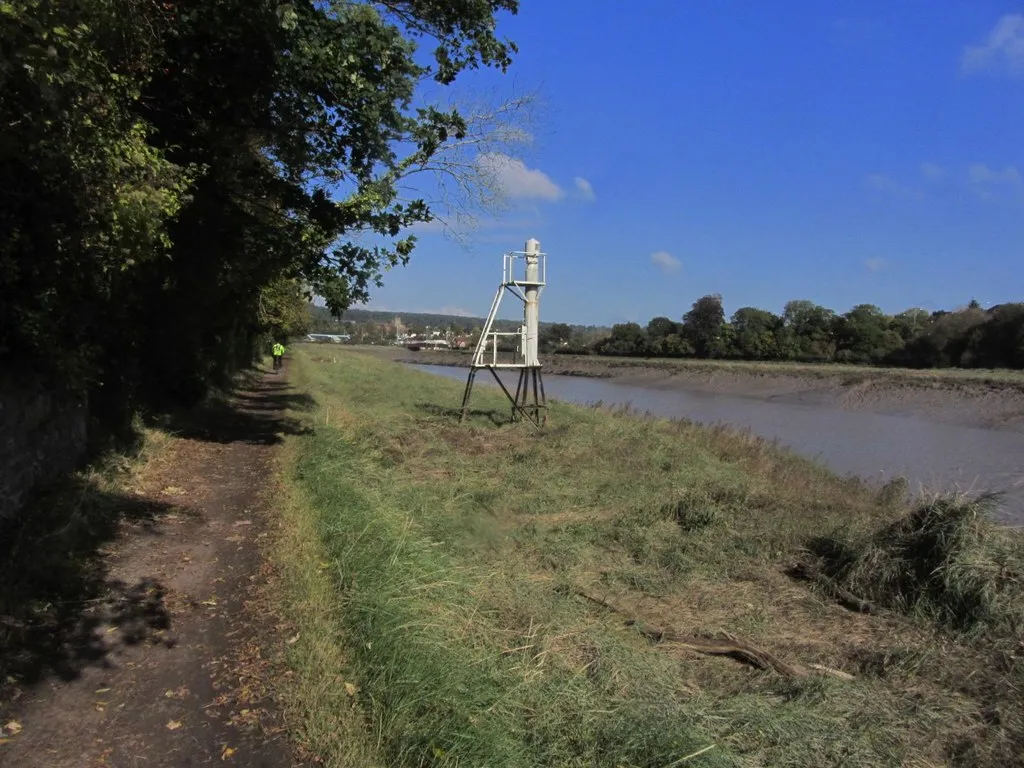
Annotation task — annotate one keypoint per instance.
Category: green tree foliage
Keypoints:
(554, 336)
(625, 339)
(176, 175)
(943, 341)
(910, 323)
(999, 341)
(865, 334)
(704, 327)
(84, 197)
(756, 334)
(967, 337)
(808, 331)
(662, 327)
(284, 309)
(665, 338)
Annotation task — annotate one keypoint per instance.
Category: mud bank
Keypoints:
(982, 399)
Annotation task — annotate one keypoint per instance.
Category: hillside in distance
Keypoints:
(323, 322)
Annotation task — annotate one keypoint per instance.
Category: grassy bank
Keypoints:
(493, 595)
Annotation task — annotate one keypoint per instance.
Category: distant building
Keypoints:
(328, 338)
(415, 344)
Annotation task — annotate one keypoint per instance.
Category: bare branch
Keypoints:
(461, 187)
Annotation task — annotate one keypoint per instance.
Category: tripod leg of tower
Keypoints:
(537, 406)
(540, 406)
(467, 393)
(520, 398)
(543, 397)
(516, 408)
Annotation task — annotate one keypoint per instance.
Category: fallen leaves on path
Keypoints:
(173, 725)
(13, 727)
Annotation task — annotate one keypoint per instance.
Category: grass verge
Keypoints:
(477, 594)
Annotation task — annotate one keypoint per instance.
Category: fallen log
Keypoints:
(731, 646)
(842, 596)
(829, 586)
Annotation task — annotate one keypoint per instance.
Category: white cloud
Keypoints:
(989, 183)
(665, 261)
(932, 171)
(457, 311)
(1004, 48)
(876, 264)
(585, 188)
(890, 186)
(882, 183)
(982, 174)
(427, 227)
(518, 181)
(850, 30)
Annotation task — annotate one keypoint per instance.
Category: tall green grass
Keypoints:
(455, 556)
(451, 654)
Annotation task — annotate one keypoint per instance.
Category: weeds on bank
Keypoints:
(947, 564)
(456, 557)
(945, 561)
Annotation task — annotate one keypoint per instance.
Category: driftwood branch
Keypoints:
(842, 596)
(730, 645)
(829, 587)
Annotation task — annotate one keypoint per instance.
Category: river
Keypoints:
(874, 447)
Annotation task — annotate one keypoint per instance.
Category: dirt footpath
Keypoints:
(173, 663)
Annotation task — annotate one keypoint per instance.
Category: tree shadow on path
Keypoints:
(255, 416)
(55, 594)
(58, 600)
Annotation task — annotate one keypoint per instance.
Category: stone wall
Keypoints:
(42, 436)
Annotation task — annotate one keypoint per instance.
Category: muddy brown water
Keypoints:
(873, 446)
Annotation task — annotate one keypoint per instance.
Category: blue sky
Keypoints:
(843, 152)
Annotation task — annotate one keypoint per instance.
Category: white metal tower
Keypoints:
(524, 275)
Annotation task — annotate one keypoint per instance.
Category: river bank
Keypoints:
(618, 590)
(982, 399)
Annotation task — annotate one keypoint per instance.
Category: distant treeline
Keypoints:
(970, 337)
